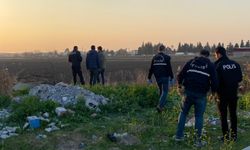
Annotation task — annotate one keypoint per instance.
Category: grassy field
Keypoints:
(131, 110)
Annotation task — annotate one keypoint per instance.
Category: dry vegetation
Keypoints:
(6, 82)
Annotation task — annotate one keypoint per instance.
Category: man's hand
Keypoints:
(149, 81)
(180, 89)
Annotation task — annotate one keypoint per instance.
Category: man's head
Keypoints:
(99, 48)
(75, 48)
(204, 53)
(161, 48)
(93, 47)
(220, 52)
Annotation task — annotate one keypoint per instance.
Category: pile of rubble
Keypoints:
(4, 113)
(7, 132)
(66, 94)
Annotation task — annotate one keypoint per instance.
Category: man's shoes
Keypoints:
(223, 138)
(200, 143)
(159, 110)
(178, 139)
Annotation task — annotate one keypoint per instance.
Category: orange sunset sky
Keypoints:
(42, 25)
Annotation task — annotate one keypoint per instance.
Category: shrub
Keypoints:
(6, 82)
(4, 101)
(31, 106)
(244, 102)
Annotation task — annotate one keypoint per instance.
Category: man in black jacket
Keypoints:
(162, 70)
(197, 76)
(229, 75)
(75, 59)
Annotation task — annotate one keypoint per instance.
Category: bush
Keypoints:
(125, 98)
(4, 101)
(244, 102)
(21, 92)
(6, 82)
(31, 106)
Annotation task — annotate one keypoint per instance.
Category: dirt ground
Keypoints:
(54, 70)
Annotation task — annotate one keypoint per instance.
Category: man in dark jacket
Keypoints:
(229, 75)
(92, 64)
(75, 59)
(162, 70)
(102, 62)
(197, 76)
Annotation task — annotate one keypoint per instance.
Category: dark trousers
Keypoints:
(225, 104)
(93, 76)
(163, 88)
(101, 73)
(77, 71)
(199, 101)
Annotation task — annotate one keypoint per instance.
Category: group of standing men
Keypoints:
(95, 64)
(198, 76)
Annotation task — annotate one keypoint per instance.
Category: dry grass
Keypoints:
(6, 82)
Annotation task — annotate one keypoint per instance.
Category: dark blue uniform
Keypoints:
(92, 64)
(162, 70)
(229, 75)
(75, 59)
(198, 75)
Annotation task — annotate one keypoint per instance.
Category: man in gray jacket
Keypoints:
(102, 63)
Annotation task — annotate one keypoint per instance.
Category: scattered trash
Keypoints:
(60, 111)
(247, 148)
(8, 132)
(4, 114)
(213, 121)
(190, 123)
(51, 127)
(46, 115)
(124, 138)
(93, 115)
(82, 145)
(34, 122)
(41, 136)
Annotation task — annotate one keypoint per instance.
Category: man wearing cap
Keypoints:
(229, 75)
(162, 70)
(197, 76)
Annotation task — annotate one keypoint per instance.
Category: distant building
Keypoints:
(244, 51)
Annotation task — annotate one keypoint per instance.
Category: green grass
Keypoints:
(131, 110)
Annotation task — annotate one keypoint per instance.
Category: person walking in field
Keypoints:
(162, 70)
(92, 64)
(102, 62)
(229, 75)
(75, 59)
(197, 76)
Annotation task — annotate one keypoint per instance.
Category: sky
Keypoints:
(42, 25)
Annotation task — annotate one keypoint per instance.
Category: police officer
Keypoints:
(229, 75)
(197, 76)
(75, 59)
(162, 70)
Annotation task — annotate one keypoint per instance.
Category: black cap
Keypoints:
(161, 48)
(221, 50)
(205, 53)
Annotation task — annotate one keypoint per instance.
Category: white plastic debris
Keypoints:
(60, 111)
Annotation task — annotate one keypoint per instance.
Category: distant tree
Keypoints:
(122, 52)
(247, 44)
(242, 44)
(230, 47)
(66, 51)
(207, 47)
(236, 45)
